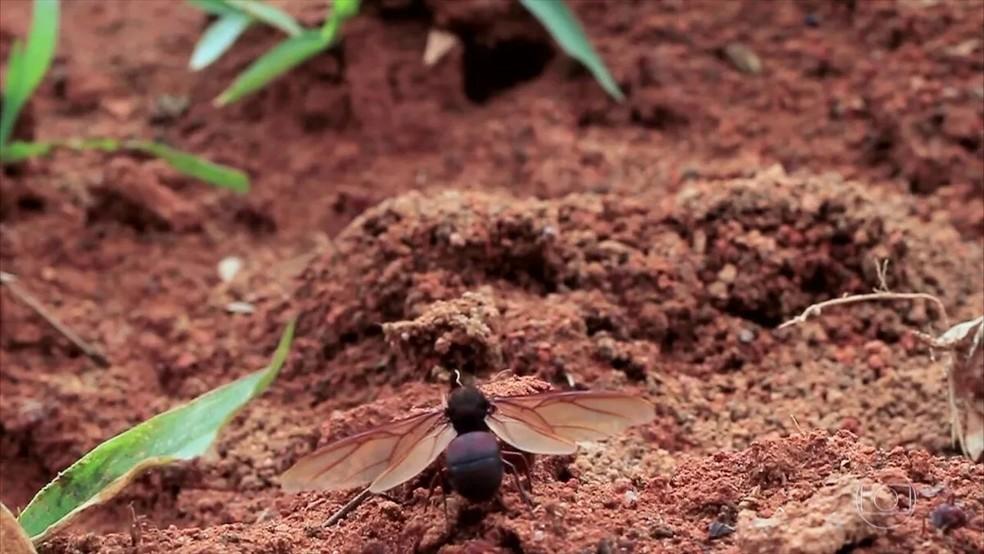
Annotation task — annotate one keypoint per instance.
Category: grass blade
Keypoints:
(188, 164)
(26, 67)
(19, 151)
(181, 433)
(13, 100)
(271, 15)
(280, 59)
(103, 144)
(341, 10)
(194, 166)
(219, 36)
(567, 31)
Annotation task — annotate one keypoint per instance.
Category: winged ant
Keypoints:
(476, 432)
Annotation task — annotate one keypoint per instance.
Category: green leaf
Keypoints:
(103, 144)
(26, 67)
(18, 151)
(567, 31)
(219, 36)
(181, 433)
(183, 162)
(194, 166)
(271, 15)
(279, 60)
(341, 11)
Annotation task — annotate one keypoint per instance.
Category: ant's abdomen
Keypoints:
(475, 465)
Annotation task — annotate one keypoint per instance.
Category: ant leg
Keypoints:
(527, 468)
(522, 491)
(392, 498)
(433, 483)
(442, 473)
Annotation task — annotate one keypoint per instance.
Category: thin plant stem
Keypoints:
(30, 301)
(344, 510)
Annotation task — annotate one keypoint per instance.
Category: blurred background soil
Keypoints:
(493, 212)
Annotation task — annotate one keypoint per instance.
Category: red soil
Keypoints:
(497, 212)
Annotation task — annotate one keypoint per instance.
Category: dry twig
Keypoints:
(816, 309)
(961, 340)
(27, 299)
(344, 510)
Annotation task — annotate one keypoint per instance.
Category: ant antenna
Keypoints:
(457, 378)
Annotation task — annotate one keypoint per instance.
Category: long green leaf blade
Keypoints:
(27, 67)
(341, 11)
(194, 166)
(567, 31)
(271, 15)
(19, 151)
(219, 36)
(181, 433)
(280, 59)
(12, 98)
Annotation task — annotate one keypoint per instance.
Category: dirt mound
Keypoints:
(633, 275)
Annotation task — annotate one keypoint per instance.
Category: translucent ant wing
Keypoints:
(554, 422)
(384, 457)
(416, 459)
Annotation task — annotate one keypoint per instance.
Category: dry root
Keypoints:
(964, 344)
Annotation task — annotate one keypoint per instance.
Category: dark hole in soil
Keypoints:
(31, 203)
(598, 323)
(970, 144)
(510, 541)
(373, 330)
(732, 362)
(527, 270)
(817, 283)
(848, 548)
(255, 220)
(490, 70)
(766, 316)
(466, 358)
(110, 206)
(563, 474)
(659, 117)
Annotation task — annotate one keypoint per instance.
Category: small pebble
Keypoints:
(743, 58)
(229, 267)
(240, 308)
(727, 274)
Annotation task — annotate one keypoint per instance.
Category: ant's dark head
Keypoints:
(467, 408)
